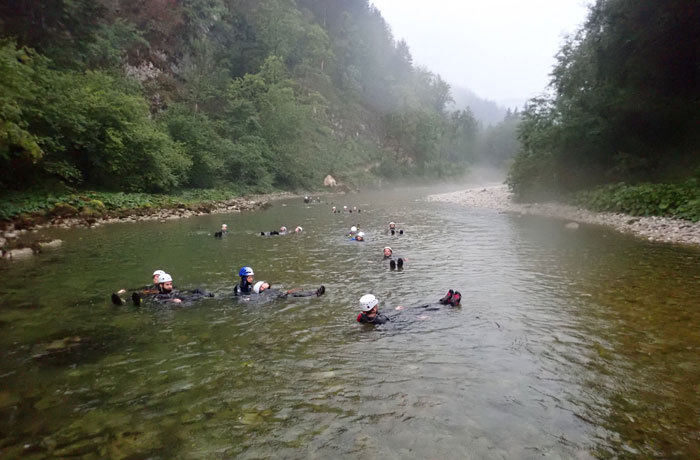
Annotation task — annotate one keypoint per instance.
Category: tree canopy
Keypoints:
(623, 105)
(152, 95)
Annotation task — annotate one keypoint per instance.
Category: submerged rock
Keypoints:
(18, 254)
(572, 226)
(51, 244)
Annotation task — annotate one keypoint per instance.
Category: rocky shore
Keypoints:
(651, 228)
(20, 240)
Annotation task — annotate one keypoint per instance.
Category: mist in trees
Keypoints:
(154, 95)
(623, 103)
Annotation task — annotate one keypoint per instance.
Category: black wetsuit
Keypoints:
(277, 294)
(244, 288)
(183, 296)
(378, 319)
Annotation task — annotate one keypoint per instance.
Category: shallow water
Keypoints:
(568, 344)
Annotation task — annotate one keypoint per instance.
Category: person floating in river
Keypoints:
(246, 285)
(352, 232)
(222, 232)
(393, 261)
(138, 293)
(263, 288)
(359, 237)
(298, 229)
(168, 294)
(370, 311)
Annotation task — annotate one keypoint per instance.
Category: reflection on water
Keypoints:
(568, 344)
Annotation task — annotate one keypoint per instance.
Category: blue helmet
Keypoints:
(245, 271)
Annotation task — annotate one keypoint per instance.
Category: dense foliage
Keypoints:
(30, 206)
(157, 95)
(671, 200)
(624, 103)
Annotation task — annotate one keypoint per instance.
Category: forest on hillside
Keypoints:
(253, 95)
(622, 113)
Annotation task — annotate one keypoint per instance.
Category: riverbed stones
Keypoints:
(53, 244)
(18, 254)
(652, 228)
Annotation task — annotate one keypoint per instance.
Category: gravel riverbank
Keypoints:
(651, 228)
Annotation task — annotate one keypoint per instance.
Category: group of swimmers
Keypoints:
(162, 290)
(369, 304)
(335, 210)
(282, 231)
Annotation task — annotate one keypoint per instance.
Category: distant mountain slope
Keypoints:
(487, 112)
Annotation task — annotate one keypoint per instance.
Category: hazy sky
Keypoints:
(501, 49)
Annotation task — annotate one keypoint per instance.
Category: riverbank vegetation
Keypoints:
(158, 96)
(622, 113)
(27, 209)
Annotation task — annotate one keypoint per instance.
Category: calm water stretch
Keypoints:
(569, 344)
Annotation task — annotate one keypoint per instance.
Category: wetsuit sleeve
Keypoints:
(359, 318)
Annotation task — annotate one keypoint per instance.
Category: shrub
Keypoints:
(671, 200)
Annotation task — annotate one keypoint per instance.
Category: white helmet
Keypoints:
(257, 286)
(158, 272)
(298, 229)
(368, 302)
(345, 207)
(165, 278)
(283, 229)
(387, 247)
(361, 234)
(353, 229)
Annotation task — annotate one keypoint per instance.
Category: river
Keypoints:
(568, 344)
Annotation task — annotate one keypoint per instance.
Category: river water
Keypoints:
(568, 344)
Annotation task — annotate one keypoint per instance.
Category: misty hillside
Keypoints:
(158, 95)
(486, 111)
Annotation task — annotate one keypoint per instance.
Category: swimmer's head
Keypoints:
(298, 230)
(387, 251)
(156, 275)
(368, 302)
(260, 286)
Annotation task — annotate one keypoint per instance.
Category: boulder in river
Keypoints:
(17, 254)
(53, 244)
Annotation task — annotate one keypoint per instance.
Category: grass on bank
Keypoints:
(33, 204)
(680, 201)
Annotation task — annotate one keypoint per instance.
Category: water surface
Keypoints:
(569, 344)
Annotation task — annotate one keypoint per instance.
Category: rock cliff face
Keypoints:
(329, 181)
